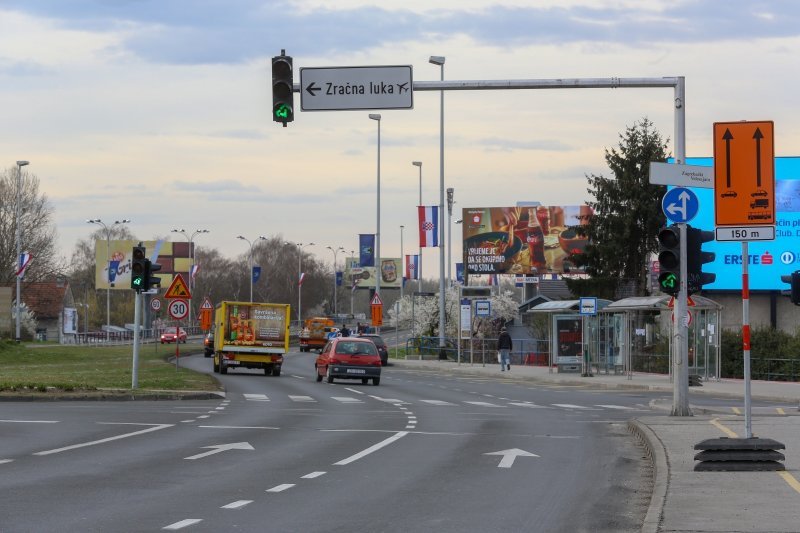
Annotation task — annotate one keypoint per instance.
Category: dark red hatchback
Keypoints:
(349, 358)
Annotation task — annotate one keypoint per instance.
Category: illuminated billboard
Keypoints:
(522, 240)
(391, 272)
(768, 260)
(173, 257)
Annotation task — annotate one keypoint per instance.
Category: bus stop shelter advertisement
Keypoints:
(768, 260)
(522, 240)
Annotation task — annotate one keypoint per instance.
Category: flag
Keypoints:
(302, 277)
(493, 279)
(460, 272)
(411, 267)
(113, 268)
(428, 225)
(355, 284)
(366, 248)
(193, 273)
(24, 261)
(256, 273)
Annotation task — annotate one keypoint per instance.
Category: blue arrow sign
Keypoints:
(680, 204)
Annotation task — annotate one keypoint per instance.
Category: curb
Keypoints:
(658, 457)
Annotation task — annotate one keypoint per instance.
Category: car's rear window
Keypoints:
(377, 340)
(356, 348)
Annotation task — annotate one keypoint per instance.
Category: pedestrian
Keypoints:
(504, 346)
(344, 331)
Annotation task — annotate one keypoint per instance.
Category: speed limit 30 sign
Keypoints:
(178, 309)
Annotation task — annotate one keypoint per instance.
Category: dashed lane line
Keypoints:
(281, 488)
(183, 523)
(237, 504)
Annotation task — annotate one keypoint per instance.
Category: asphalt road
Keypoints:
(421, 452)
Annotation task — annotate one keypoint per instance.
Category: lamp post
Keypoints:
(459, 221)
(419, 258)
(353, 288)
(300, 247)
(190, 238)
(18, 237)
(260, 238)
(439, 60)
(334, 250)
(375, 116)
(402, 259)
(107, 230)
(449, 235)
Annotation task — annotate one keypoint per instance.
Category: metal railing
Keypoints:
(480, 351)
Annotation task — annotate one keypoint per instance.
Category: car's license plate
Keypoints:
(356, 371)
(232, 362)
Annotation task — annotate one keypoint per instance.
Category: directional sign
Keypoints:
(681, 175)
(178, 288)
(744, 173)
(680, 205)
(353, 88)
(178, 309)
(746, 233)
(509, 455)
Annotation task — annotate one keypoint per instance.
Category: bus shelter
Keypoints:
(635, 335)
(568, 333)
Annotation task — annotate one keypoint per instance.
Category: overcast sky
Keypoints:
(159, 111)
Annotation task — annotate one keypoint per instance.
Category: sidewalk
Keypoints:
(684, 500)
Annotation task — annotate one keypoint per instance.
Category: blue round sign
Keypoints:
(680, 204)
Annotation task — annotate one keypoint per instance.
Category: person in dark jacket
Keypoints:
(504, 346)
(344, 332)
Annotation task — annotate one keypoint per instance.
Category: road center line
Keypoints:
(372, 449)
(155, 427)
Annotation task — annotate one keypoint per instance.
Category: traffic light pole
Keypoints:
(680, 339)
(137, 313)
(748, 430)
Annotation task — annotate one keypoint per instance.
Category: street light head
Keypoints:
(241, 237)
(123, 221)
(93, 221)
(375, 116)
(437, 60)
(22, 163)
(203, 231)
(261, 238)
(417, 163)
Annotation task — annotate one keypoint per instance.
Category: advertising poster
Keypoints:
(70, 320)
(174, 257)
(569, 339)
(256, 325)
(390, 270)
(522, 240)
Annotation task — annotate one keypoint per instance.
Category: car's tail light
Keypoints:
(335, 361)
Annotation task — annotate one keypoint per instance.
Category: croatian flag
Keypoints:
(193, 273)
(300, 281)
(411, 267)
(493, 280)
(428, 225)
(24, 261)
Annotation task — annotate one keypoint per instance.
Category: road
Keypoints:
(423, 451)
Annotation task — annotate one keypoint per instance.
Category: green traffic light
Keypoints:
(669, 281)
(137, 282)
(282, 111)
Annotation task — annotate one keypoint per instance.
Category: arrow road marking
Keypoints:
(510, 455)
(222, 448)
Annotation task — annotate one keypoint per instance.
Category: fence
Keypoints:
(480, 351)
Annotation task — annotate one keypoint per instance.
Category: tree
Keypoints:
(627, 216)
(37, 231)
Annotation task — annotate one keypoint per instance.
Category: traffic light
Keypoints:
(282, 89)
(150, 280)
(696, 258)
(793, 279)
(669, 260)
(138, 268)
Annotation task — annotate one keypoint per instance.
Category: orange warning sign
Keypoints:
(205, 319)
(744, 173)
(377, 315)
(178, 288)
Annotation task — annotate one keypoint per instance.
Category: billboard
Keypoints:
(391, 272)
(522, 240)
(173, 257)
(768, 260)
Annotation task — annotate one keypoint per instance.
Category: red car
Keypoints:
(168, 335)
(349, 358)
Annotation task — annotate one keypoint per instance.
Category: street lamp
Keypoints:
(334, 250)
(449, 235)
(260, 238)
(190, 238)
(419, 259)
(300, 247)
(459, 221)
(20, 164)
(107, 230)
(402, 259)
(375, 116)
(439, 60)
(353, 288)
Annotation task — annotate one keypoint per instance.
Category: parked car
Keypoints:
(169, 335)
(208, 345)
(349, 358)
(383, 350)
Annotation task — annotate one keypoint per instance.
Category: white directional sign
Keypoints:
(353, 88)
(745, 233)
(680, 205)
(682, 175)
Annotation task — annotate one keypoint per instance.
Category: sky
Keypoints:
(160, 111)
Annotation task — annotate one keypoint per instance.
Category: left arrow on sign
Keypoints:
(311, 88)
(222, 448)
(510, 455)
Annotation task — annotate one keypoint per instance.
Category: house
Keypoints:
(50, 302)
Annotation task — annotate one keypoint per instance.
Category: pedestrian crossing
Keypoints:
(494, 404)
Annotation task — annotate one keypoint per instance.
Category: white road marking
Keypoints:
(256, 397)
(30, 421)
(346, 399)
(389, 400)
(312, 475)
(217, 448)
(4, 461)
(437, 402)
(155, 427)
(203, 416)
(527, 404)
(509, 455)
(183, 523)
(485, 404)
(281, 488)
(621, 407)
(372, 449)
(237, 504)
(571, 406)
(354, 391)
(187, 421)
(238, 427)
(302, 399)
(298, 377)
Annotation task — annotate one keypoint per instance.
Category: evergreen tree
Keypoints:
(627, 215)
